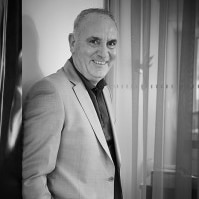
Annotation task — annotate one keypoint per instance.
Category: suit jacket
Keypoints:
(65, 154)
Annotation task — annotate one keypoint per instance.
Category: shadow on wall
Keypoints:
(30, 46)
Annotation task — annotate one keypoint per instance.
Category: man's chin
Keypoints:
(100, 76)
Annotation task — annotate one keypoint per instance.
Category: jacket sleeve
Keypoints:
(43, 115)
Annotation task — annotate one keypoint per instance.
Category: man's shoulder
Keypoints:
(59, 78)
(60, 82)
(64, 76)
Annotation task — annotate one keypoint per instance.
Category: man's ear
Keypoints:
(71, 39)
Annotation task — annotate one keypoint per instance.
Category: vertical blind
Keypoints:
(155, 85)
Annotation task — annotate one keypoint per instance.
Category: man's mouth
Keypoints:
(99, 62)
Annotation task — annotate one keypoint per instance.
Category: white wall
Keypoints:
(46, 25)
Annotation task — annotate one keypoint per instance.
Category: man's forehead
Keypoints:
(92, 19)
(96, 25)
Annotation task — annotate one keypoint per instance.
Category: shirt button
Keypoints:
(111, 179)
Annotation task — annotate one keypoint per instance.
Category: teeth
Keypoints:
(100, 62)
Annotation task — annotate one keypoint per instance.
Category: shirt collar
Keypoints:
(100, 85)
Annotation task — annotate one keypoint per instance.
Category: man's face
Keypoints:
(94, 46)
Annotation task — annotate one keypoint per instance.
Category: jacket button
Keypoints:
(111, 179)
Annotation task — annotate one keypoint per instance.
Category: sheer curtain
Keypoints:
(156, 95)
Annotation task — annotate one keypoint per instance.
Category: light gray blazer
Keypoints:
(65, 154)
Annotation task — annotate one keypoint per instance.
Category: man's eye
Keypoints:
(112, 44)
(94, 42)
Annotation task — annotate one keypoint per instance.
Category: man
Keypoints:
(70, 145)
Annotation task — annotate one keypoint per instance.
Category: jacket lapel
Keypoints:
(89, 109)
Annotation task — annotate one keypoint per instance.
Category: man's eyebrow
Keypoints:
(93, 38)
(99, 39)
(112, 40)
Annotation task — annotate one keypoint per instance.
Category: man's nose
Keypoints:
(103, 52)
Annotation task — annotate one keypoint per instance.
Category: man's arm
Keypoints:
(42, 125)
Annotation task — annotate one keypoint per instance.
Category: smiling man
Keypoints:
(70, 145)
(93, 46)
